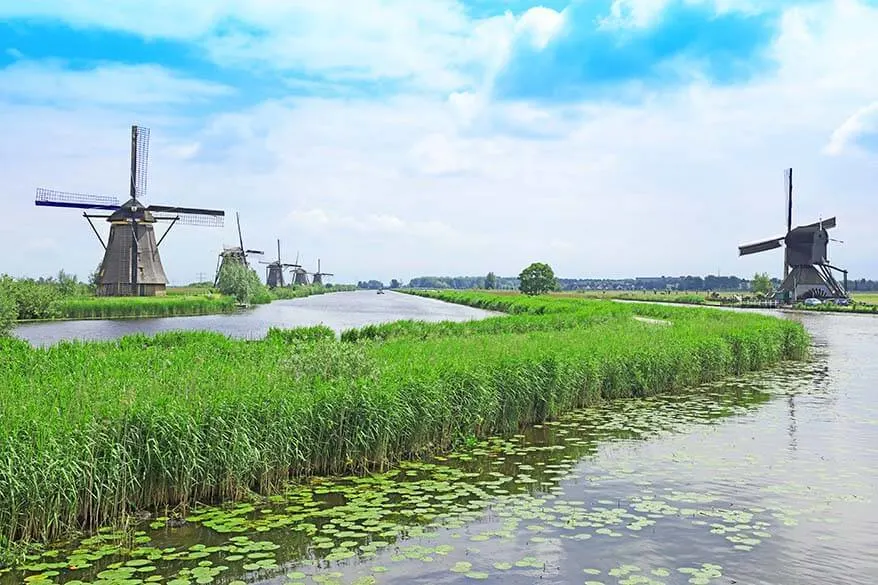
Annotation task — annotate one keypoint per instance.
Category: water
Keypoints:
(339, 311)
(770, 479)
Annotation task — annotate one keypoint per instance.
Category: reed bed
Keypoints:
(91, 431)
(164, 306)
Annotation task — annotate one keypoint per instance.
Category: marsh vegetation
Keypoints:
(92, 432)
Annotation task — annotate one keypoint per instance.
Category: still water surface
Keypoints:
(339, 311)
(771, 479)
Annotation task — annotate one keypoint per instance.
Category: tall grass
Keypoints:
(90, 431)
(178, 302)
(164, 306)
(296, 292)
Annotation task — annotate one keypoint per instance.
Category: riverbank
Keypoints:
(177, 303)
(866, 303)
(97, 430)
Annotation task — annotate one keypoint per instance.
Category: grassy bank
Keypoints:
(90, 431)
(297, 292)
(862, 302)
(178, 302)
(130, 307)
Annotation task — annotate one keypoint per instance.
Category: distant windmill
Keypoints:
(807, 272)
(300, 275)
(234, 254)
(274, 271)
(132, 265)
(318, 276)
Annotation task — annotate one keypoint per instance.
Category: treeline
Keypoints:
(37, 298)
(463, 282)
(682, 283)
(862, 285)
(691, 283)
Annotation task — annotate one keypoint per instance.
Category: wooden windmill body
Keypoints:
(806, 271)
(131, 265)
(274, 271)
(318, 276)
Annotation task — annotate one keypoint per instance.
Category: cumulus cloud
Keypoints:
(448, 174)
(104, 85)
(859, 133)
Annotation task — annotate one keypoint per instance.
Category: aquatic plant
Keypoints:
(91, 431)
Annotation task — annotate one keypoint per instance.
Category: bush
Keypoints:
(33, 300)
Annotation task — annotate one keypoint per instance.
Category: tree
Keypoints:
(68, 284)
(8, 310)
(761, 283)
(536, 279)
(394, 283)
(239, 281)
(491, 281)
(94, 279)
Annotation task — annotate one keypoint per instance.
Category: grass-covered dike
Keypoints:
(91, 431)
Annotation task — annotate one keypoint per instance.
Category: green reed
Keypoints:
(91, 431)
(161, 306)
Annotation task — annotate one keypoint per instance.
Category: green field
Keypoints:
(866, 297)
(91, 431)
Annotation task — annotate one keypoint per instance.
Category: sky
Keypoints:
(399, 138)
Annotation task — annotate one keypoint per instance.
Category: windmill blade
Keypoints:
(140, 146)
(240, 237)
(189, 215)
(186, 210)
(51, 198)
(827, 224)
(254, 252)
(788, 191)
(759, 246)
(192, 219)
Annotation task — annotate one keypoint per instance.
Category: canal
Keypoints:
(339, 311)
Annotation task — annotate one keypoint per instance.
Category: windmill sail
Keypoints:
(759, 246)
(139, 161)
(52, 198)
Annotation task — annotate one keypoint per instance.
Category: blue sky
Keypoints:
(398, 138)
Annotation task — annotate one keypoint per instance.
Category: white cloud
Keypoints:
(376, 224)
(863, 122)
(459, 183)
(540, 25)
(104, 85)
(426, 39)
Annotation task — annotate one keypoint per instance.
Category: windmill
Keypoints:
(274, 271)
(234, 254)
(131, 265)
(807, 272)
(300, 275)
(318, 276)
